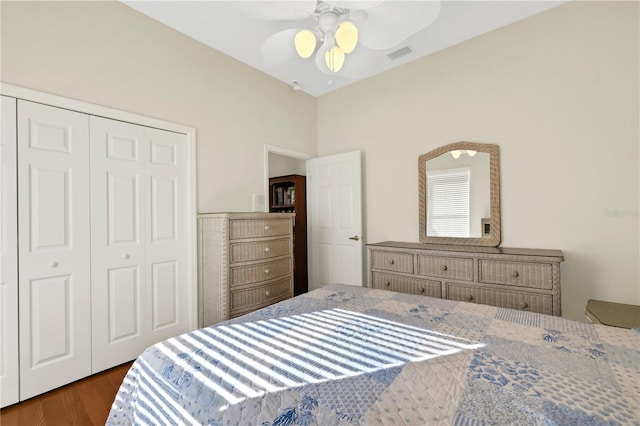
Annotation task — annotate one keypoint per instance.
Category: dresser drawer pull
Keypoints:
(515, 274)
(388, 283)
(267, 293)
(266, 227)
(443, 267)
(266, 249)
(266, 271)
(470, 297)
(422, 290)
(523, 305)
(392, 261)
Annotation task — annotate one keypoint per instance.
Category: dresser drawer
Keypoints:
(256, 228)
(542, 303)
(255, 297)
(535, 275)
(257, 250)
(454, 268)
(260, 272)
(406, 285)
(392, 261)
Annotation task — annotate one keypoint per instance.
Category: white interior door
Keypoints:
(118, 272)
(54, 247)
(139, 239)
(334, 220)
(167, 234)
(9, 377)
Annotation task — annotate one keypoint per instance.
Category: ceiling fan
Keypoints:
(343, 34)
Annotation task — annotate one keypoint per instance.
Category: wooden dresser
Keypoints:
(525, 279)
(245, 263)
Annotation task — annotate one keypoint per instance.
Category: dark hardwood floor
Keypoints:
(85, 402)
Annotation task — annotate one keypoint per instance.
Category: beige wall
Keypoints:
(108, 54)
(558, 93)
(280, 165)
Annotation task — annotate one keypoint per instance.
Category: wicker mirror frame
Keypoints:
(493, 239)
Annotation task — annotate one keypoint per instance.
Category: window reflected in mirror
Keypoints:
(459, 195)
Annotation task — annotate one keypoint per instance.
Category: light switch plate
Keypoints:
(258, 202)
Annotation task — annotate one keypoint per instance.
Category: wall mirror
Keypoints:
(459, 194)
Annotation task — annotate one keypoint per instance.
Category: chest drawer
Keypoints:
(542, 303)
(257, 250)
(252, 228)
(392, 261)
(260, 272)
(256, 297)
(454, 268)
(535, 275)
(407, 285)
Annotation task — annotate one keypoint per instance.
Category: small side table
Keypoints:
(614, 314)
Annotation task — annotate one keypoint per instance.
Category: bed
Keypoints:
(345, 355)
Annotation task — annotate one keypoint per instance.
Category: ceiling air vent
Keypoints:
(400, 52)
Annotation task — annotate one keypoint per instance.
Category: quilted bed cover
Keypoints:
(344, 355)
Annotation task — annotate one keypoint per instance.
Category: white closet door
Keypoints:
(54, 244)
(167, 239)
(118, 269)
(9, 376)
(138, 261)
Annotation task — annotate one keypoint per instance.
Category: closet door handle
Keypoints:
(266, 249)
(125, 255)
(53, 264)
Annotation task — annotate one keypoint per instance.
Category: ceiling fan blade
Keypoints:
(278, 10)
(279, 48)
(394, 21)
(354, 4)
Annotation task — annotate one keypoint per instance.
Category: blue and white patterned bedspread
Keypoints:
(346, 355)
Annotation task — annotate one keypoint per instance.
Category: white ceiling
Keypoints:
(230, 30)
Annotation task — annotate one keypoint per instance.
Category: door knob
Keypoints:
(125, 256)
(53, 264)
(355, 238)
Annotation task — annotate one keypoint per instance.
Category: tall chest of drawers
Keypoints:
(525, 279)
(245, 263)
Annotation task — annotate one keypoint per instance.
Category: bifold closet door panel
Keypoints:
(139, 290)
(9, 376)
(118, 271)
(167, 238)
(54, 247)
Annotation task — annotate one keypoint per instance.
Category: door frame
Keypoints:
(273, 149)
(115, 114)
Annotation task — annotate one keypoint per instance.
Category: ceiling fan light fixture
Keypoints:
(334, 58)
(305, 43)
(347, 36)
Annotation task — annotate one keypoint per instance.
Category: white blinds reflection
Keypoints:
(448, 203)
